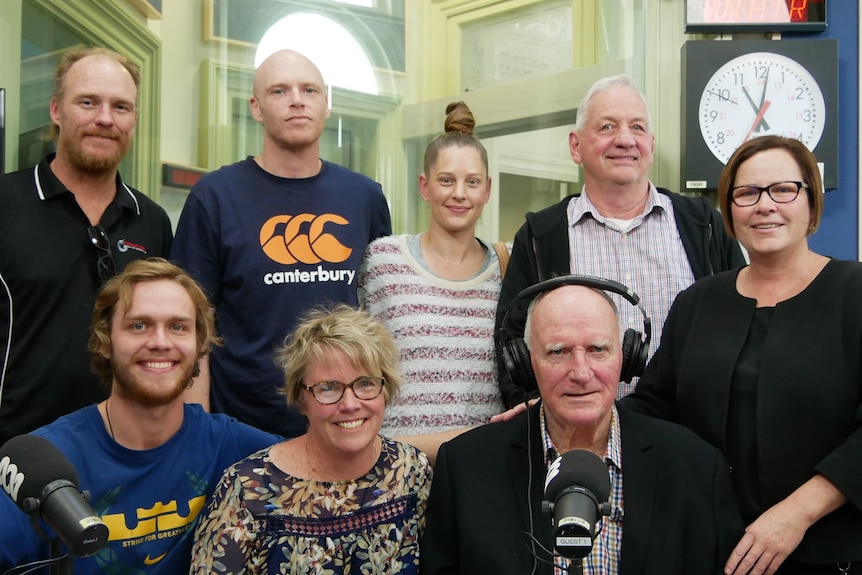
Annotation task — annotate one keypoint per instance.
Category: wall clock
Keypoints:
(737, 90)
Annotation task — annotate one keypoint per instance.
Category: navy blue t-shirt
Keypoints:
(266, 249)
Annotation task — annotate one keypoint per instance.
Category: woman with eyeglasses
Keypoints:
(339, 499)
(766, 363)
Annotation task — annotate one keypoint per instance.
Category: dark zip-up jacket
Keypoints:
(541, 251)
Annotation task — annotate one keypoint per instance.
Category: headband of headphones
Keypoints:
(527, 294)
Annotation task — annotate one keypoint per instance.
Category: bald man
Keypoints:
(671, 505)
(270, 237)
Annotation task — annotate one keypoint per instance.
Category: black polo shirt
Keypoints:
(48, 283)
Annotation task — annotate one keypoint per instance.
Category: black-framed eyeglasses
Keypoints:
(364, 387)
(780, 192)
(105, 264)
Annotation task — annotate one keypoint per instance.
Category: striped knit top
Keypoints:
(444, 331)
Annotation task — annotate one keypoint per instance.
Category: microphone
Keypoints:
(40, 479)
(577, 488)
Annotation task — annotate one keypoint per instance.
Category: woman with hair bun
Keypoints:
(437, 293)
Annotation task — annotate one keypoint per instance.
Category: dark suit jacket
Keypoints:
(809, 394)
(680, 516)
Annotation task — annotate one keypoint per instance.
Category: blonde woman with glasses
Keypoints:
(341, 498)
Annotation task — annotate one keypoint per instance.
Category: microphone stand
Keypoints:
(576, 566)
(61, 562)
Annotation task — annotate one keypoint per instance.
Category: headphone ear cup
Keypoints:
(516, 358)
(634, 356)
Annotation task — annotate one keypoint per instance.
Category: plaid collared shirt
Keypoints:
(605, 557)
(645, 254)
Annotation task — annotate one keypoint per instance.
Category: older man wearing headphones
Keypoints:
(671, 508)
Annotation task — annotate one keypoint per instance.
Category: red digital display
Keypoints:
(180, 176)
(755, 15)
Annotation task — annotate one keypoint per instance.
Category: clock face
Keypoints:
(759, 94)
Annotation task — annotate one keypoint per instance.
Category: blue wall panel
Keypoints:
(837, 236)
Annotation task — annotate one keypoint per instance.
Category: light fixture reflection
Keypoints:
(341, 59)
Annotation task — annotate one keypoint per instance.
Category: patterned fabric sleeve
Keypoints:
(223, 539)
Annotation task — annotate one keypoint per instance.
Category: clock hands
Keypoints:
(762, 100)
(758, 120)
(750, 101)
(765, 83)
(757, 109)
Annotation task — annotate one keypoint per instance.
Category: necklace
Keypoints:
(108, 417)
(376, 449)
(308, 460)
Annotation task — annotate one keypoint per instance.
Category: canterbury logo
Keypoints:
(285, 239)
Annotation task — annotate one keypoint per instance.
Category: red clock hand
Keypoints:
(757, 119)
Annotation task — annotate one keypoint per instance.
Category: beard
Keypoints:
(94, 163)
(127, 385)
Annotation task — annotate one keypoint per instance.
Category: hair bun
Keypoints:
(459, 118)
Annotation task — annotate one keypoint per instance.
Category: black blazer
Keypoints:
(809, 394)
(680, 516)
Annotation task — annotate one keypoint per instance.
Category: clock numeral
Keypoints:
(723, 135)
(761, 73)
(804, 115)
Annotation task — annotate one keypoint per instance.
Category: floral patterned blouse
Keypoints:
(263, 521)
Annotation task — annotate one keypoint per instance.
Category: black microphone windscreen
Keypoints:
(28, 463)
(578, 467)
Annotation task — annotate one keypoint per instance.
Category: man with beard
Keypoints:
(149, 460)
(66, 226)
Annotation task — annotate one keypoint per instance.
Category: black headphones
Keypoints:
(635, 346)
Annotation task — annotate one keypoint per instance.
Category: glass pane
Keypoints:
(43, 39)
(518, 45)
(521, 65)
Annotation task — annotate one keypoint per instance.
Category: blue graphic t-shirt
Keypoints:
(150, 500)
